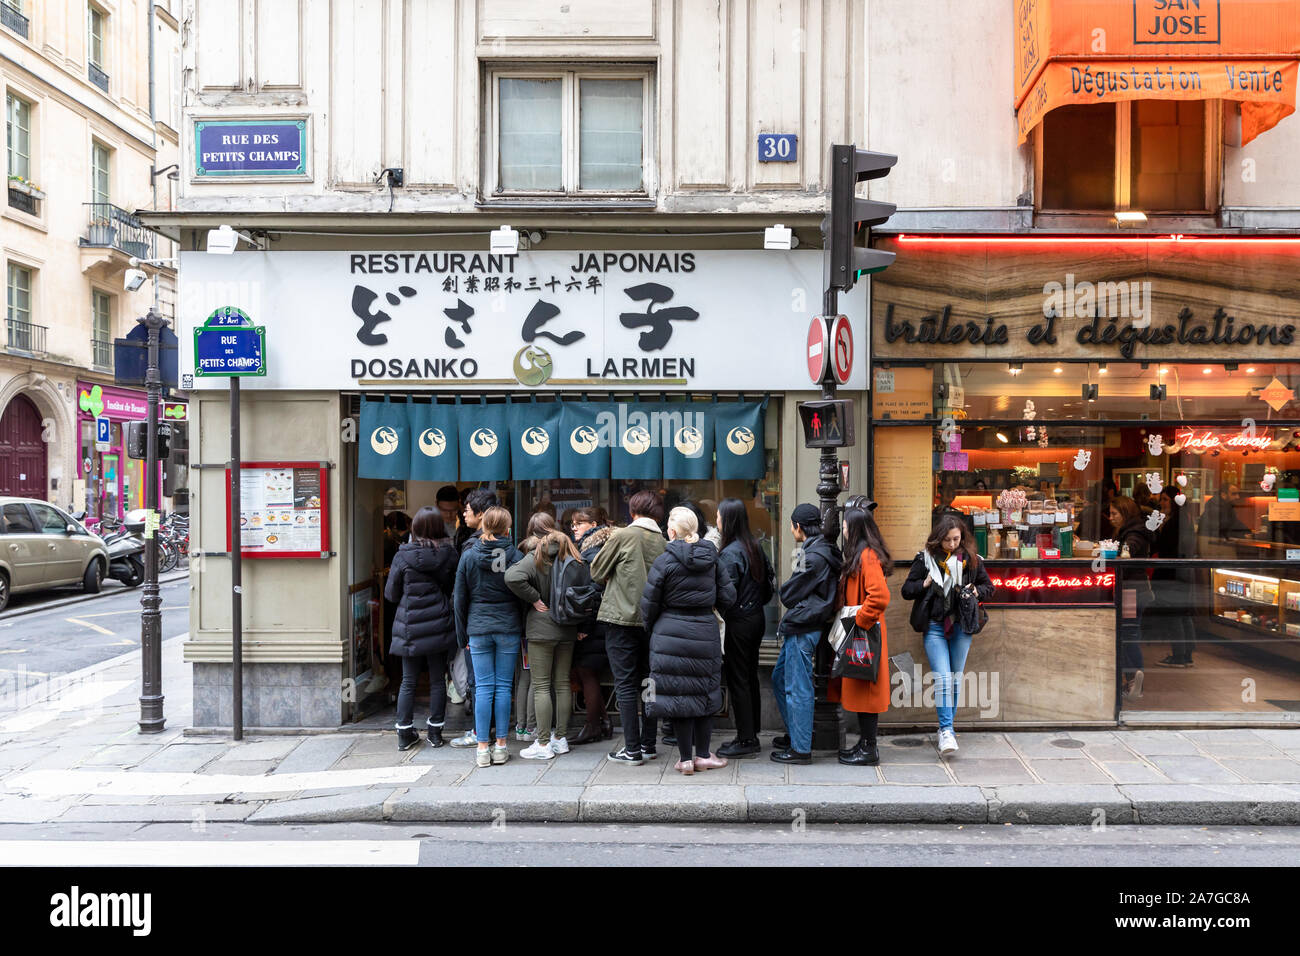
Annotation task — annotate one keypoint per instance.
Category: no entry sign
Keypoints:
(818, 350)
(841, 349)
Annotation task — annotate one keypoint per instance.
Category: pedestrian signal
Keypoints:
(827, 424)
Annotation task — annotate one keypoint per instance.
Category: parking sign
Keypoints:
(103, 433)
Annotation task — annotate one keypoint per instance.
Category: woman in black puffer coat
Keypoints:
(685, 585)
(424, 629)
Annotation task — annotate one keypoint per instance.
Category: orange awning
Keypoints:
(1105, 51)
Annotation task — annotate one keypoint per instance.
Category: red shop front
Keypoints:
(114, 483)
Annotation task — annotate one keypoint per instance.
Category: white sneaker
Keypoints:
(537, 751)
(947, 742)
(467, 739)
(483, 758)
(559, 745)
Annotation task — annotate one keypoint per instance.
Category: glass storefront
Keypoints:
(1033, 455)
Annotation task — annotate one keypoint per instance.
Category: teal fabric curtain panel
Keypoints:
(585, 439)
(738, 439)
(384, 440)
(534, 440)
(434, 441)
(637, 449)
(686, 433)
(484, 442)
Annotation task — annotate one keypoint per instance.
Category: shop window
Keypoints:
(1145, 155)
(570, 133)
(1050, 485)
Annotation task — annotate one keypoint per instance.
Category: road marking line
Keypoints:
(73, 696)
(93, 627)
(202, 852)
(124, 783)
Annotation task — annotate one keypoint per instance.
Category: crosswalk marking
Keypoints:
(200, 852)
(77, 697)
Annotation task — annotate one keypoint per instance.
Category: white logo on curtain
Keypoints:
(384, 440)
(636, 440)
(433, 442)
(740, 441)
(483, 442)
(689, 442)
(534, 440)
(584, 439)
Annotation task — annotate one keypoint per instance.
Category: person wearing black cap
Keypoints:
(809, 596)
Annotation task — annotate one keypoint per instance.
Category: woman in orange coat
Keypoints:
(862, 582)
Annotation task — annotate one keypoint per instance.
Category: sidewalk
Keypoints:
(77, 757)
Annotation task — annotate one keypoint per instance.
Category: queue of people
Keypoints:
(673, 607)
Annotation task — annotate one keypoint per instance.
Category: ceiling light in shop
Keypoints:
(1002, 438)
(1101, 367)
(1206, 371)
(1058, 370)
(1251, 370)
(1164, 371)
(1014, 368)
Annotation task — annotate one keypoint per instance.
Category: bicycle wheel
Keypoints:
(168, 556)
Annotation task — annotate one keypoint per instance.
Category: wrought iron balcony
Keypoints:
(112, 227)
(25, 337)
(13, 20)
(101, 351)
(98, 77)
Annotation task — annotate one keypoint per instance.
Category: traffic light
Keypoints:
(827, 424)
(137, 435)
(845, 260)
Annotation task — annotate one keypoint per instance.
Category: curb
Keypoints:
(1037, 804)
(82, 598)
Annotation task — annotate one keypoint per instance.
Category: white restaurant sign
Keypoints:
(707, 320)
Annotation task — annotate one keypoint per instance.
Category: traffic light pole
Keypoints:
(826, 718)
(151, 695)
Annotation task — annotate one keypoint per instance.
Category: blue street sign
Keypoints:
(229, 344)
(103, 430)
(250, 148)
(778, 147)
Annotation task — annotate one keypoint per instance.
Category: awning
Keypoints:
(1106, 51)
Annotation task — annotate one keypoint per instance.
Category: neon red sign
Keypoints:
(1055, 582)
(1200, 443)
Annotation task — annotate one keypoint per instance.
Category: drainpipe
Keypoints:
(153, 131)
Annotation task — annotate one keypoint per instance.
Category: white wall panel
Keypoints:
(279, 44)
(219, 46)
(356, 117)
(701, 88)
(583, 19)
(776, 42)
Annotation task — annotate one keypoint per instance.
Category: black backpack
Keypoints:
(574, 596)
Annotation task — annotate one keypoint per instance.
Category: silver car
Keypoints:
(43, 547)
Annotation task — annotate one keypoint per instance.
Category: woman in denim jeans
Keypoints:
(947, 563)
(488, 620)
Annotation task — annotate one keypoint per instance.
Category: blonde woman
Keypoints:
(550, 644)
(685, 585)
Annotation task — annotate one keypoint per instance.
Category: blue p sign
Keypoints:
(102, 430)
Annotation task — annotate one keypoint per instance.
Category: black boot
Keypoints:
(435, 737)
(407, 737)
(863, 755)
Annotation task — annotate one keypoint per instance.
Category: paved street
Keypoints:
(64, 630)
(202, 843)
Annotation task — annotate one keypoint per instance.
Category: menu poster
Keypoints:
(281, 511)
(905, 482)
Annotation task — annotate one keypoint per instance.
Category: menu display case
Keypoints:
(1258, 603)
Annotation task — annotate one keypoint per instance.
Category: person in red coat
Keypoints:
(862, 582)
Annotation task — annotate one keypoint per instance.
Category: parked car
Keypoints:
(42, 547)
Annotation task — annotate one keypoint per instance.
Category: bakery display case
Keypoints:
(1258, 604)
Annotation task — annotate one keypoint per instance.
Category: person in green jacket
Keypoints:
(550, 644)
(622, 567)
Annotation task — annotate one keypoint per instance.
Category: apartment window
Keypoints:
(18, 135)
(18, 301)
(100, 158)
(1146, 155)
(101, 343)
(571, 132)
(96, 38)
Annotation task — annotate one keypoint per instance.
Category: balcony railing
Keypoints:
(25, 337)
(98, 77)
(109, 226)
(14, 20)
(22, 201)
(101, 351)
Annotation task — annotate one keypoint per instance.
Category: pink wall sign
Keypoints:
(119, 404)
